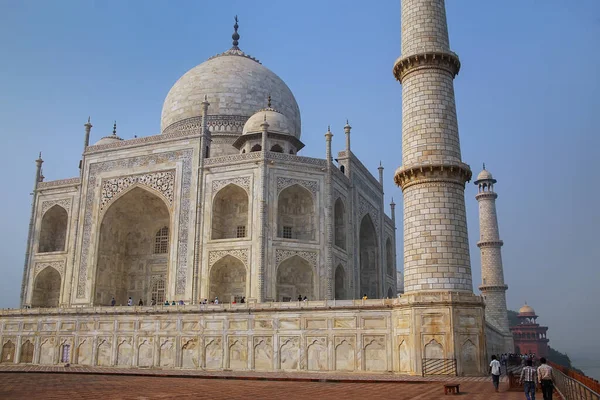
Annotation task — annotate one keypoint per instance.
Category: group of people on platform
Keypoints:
(530, 375)
(130, 302)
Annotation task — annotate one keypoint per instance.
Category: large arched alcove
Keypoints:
(53, 232)
(296, 214)
(340, 283)
(389, 257)
(131, 249)
(230, 213)
(228, 280)
(369, 258)
(295, 278)
(46, 288)
(339, 219)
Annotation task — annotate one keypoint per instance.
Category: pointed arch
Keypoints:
(296, 213)
(256, 147)
(228, 280)
(434, 350)
(277, 148)
(126, 261)
(46, 288)
(8, 352)
(230, 213)
(53, 232)
(369, 258)
(295, 277)
(339, 218)
(27, 352)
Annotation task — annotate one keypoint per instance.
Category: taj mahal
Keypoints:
(222, 205)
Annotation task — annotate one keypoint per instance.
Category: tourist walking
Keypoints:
(216, 300)
(113, 302)
(299, 297)
(544, 373)
(141, 302)
(529, 379)
(130, 302)
(495, 371)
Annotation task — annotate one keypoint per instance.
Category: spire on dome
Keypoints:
(269, 101)
(484, 166)
(236, 35)
(115, 129)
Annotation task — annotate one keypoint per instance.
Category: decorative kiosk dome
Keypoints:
(280, 136)
(236, 85)
(526, 311)
(109, 139)
(278, 123)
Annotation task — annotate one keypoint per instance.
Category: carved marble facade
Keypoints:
(336, 335)
(106, 239)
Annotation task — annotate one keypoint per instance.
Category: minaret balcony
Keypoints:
(490, 243)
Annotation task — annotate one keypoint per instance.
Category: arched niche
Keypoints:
(53, 232)
(340, 283)
(256, 147)
(296, 214)
(389, 257)
(46, 288)
(8, 352)
(295, 278)
(230, 213)
(228, 280)
(126, 259)
(339, 221)
(369, 258)
(276, 148)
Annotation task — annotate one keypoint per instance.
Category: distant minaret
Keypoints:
(492, 287)
(432, 175)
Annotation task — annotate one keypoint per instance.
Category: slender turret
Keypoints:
(492, 286)
(432, 175)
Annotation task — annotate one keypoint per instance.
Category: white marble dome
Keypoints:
(484, 175)
(278, 123)
(236, 85)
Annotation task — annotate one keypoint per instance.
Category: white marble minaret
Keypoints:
(432, 175)
(493, 288)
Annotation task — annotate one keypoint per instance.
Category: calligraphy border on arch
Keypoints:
(366, 207)
(216, 255)
(160, 181)
(185, 156)
(242, 181)
(59, 266)
(64, 203)
(283, 254)
(284, 182)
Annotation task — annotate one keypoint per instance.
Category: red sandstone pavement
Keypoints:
(44, 382)
(91, 386)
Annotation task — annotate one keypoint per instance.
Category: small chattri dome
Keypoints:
(526, 310)
(110, 138)
(484, 175)
(278, 123)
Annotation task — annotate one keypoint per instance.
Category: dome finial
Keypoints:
(115, 129)
(269, 101)
(236, 35)
(484, 166)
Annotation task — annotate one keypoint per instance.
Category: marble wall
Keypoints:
(348, 335)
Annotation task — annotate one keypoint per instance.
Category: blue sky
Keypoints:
(527, 99)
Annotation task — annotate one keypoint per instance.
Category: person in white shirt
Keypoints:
(130, 302)
(216, 300)
(495, 371)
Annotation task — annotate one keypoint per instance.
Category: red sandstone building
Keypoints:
(528, 335)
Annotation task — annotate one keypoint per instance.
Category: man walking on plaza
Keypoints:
(495, 371)
(544, 373)
(529, 379)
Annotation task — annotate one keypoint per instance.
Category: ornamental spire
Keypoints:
(236, 35)
(115, 129)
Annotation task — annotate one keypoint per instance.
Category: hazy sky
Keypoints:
(527, 98)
